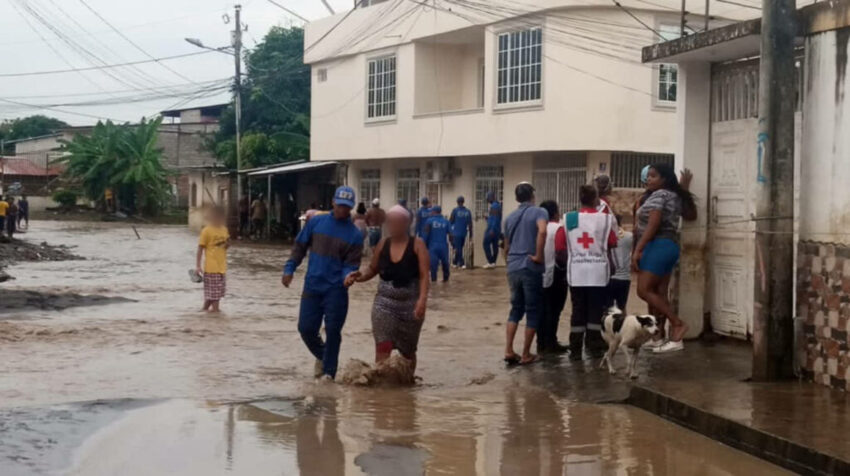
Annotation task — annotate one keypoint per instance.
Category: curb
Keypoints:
(777, 450)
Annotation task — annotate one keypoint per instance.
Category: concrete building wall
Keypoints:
(823, 263)
(579, 110)
(207, 190)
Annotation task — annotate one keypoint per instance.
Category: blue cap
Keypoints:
(425, 200)
(460, 199)
(644, 174)
(344, 196)
(436, 209)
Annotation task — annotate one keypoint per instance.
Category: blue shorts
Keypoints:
(659, 257)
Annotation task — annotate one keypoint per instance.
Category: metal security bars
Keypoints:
(626, 167)
(488, 179)
(370, 185)
(735, 90)
(520, 66)
(381, 101)
(560, 185)
(408, 187)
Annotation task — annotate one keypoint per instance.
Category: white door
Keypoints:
(733, 167)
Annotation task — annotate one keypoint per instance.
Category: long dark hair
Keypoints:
(671, 182)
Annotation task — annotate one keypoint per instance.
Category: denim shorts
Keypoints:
(659, 256)
(526, 296)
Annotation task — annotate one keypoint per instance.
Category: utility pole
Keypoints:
(773, 343)
(237, 92)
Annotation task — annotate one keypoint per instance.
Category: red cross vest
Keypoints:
(587, 246)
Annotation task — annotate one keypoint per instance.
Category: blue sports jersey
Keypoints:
(422, 216)
(437, 232)
(461, 221)
(494, 219)
(335, 248)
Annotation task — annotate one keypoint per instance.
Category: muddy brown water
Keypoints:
(153, 386)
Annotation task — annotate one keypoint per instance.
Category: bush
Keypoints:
(65, 198)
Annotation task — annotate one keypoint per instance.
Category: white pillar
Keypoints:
(693, 136)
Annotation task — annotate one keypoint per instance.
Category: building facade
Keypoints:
(454, 99)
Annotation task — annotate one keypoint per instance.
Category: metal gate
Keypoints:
(560, 185)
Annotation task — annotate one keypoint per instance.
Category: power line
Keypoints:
(48, 108)
(107, 66)
(122, 35)
(290, 11)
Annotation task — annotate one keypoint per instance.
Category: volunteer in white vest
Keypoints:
(554, 282)
(590, 235)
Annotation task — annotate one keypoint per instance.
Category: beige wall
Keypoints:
(447, 76)
(581, 108)
(207, 194)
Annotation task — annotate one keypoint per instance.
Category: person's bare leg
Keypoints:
(510, 334)
(664, 290)
(206, 306)
(527, 356)
(648, 284)
(214, 307)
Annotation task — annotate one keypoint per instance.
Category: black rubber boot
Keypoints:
(576, 345)
(596, 345)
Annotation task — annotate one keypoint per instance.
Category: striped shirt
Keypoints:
(335, 247)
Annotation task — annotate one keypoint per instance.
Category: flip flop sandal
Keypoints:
(534, 360)
(513, 360)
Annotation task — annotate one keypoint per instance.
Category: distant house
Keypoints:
(20, 176)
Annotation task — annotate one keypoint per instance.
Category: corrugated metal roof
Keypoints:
(23, 167)
(286, 169)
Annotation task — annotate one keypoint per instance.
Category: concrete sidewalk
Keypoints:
(800, 426)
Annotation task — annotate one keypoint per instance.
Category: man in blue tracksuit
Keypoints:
(494, 230)
(335, 246)
(436, 236)
(422, 216)
(461, 220)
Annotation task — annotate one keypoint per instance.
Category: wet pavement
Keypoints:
(171, 390)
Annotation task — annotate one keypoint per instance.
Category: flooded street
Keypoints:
(153, 386)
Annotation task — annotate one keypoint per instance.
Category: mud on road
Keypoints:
(147, 384)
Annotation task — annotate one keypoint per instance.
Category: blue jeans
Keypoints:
(458, 242)
(491, 245)
(374, 236)
(439, 255)
(526, 296)
(332, 307)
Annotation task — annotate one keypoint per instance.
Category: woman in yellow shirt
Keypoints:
(212, 246)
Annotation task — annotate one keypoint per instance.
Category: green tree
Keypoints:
(32, 126)
(275, 106)
(124, 158)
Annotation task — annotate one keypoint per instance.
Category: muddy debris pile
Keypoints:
(14, 250)
(395, 371)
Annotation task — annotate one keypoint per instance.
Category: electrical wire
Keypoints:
(106, 66)
(288, 10)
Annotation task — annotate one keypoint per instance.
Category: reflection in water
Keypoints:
(319, 448)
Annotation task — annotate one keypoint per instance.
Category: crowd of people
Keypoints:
(14, 215)
(583, 253)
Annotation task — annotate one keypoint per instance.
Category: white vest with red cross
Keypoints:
(587, 244)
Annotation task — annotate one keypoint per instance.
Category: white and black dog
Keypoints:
(631, 332)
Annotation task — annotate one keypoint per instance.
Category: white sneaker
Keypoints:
(326, 379)
(318, 369)
(463, 267)
(653, 344)
(669, 346)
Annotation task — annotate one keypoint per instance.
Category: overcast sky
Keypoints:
(158, 27)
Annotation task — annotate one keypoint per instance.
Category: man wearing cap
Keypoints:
(461, 220)
(336, 247)
(525, 239)
(436, 236)
(493, 231)
(422, 216)
(375, 219)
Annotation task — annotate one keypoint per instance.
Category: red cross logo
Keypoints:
(585, 240)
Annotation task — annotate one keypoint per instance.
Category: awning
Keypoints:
(291, 168)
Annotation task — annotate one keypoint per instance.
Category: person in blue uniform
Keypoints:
(494, 230)
(335, 246)
(461, 220)
(436, 235)
(422, 217)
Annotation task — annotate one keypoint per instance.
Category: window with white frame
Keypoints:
(488, 179)
(407, 184)
(381, 88)
(627, 166)
(667, 73)
(520, 66)
(370, 185)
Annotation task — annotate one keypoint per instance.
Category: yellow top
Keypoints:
(214, 240)
(3, 207)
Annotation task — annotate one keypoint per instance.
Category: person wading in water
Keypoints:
(398, 312)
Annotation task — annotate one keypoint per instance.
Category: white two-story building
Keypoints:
(461, 97)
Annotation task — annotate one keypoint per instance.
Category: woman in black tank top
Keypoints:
(399, 309)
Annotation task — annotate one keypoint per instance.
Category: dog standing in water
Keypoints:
(629, 331)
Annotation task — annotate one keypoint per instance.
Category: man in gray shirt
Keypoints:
(525, 238)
